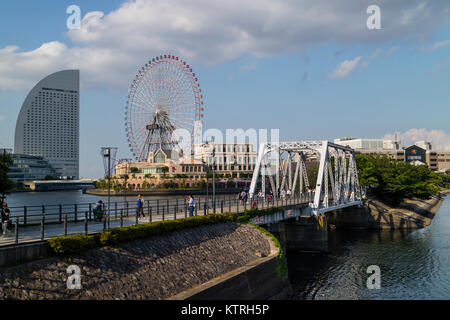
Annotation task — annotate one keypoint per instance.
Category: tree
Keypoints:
(393, 180)
(164, 170)
(6, 185)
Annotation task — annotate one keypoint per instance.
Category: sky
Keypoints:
(312, 69)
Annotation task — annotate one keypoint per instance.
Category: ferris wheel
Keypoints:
(164, 96)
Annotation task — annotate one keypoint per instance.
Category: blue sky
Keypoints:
(261, 64)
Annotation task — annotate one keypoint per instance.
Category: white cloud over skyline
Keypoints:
(109, 48)
(439, 138)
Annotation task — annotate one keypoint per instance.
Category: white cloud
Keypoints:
(440, 44)
(110, 48)
(344, 68)
(439, 138)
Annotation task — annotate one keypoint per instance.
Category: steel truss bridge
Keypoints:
(282, 166)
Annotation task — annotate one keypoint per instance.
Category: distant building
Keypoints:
(420, 153)
(55, 185)
(232, 160)
(416, 155)
(389, 148)
(26, 167)
(443, 161)
(426, 145)
(48, 123)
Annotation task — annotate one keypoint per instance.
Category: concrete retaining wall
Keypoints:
(20, 253)
(257, 280)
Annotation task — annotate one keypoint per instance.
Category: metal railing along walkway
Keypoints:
(44, 222)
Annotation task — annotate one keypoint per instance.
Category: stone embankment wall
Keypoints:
(375, 214)
(155, 268)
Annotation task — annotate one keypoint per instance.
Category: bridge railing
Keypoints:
(31, 223)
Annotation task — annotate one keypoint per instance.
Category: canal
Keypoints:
(414, 265)
(77, 197)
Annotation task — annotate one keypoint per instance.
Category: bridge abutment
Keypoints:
(306, 234)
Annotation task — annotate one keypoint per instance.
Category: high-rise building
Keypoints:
(48, 123)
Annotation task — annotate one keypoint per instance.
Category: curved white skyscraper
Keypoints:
(49, 122)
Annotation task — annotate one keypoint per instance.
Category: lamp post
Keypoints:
(108, 153)
(214, 173)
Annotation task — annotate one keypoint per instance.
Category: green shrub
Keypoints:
(79, 243)
(118, 235)
(72, 244)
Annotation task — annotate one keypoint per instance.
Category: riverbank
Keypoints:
(376, 214)
(210, 262)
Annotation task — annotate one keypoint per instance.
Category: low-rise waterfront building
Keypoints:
(162, 167)
(27, 167)
(57, 185)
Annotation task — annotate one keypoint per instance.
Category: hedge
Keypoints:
(77, 244)
(73, 244)
(118, 235)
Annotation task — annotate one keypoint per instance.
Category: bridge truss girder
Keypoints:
(337, 170)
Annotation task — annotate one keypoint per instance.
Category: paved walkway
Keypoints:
(33, 233)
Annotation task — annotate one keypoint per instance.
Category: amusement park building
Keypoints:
(234, 160)
(48, 123)
(160, 167)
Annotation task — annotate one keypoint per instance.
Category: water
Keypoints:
(85, 202)
(414, 265)
(76, 197)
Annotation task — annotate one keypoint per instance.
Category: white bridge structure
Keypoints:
(283, 166)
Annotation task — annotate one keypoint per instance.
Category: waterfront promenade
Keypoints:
(62, 220)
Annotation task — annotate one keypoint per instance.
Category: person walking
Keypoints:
(191, 203)
(5, 218)
(244, 196)
(140, 207)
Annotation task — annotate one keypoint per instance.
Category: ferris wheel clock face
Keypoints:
(164, 96)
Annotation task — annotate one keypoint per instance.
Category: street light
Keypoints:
(208, 167)
(108, 153)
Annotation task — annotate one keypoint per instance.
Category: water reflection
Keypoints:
(414, 265)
